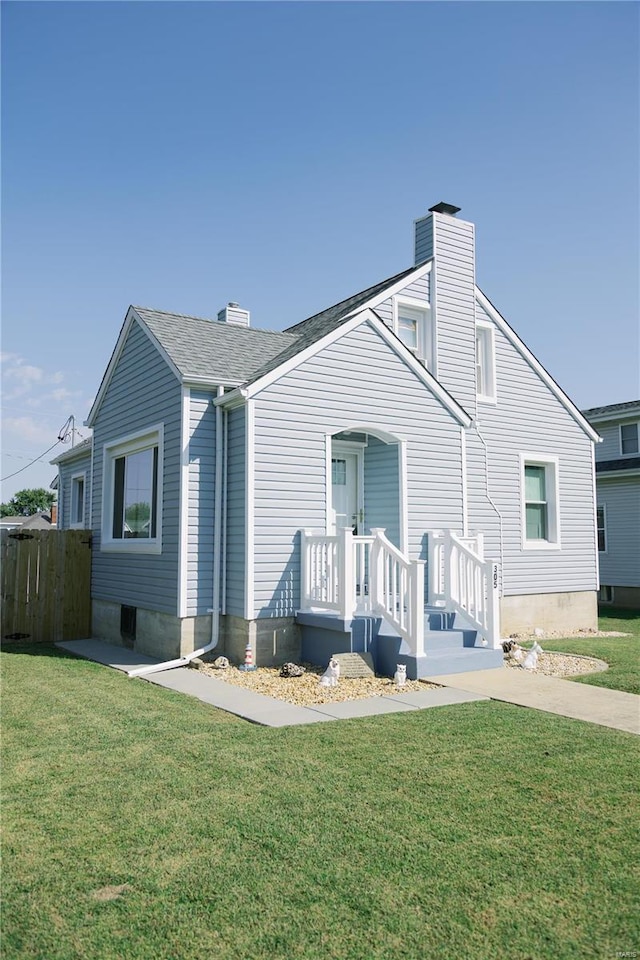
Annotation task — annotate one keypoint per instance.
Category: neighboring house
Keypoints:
(618, 493)
(240, 478)
(36, 521)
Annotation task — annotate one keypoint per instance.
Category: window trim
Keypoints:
(112, 451)
(426, 350)
(77, 524)
(633, 423)
(603, 507)
(492, 396)
(552, 490)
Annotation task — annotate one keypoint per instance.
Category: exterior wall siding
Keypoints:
(143, 391)
(528, 419)
(610, 448)
(236, 512)
(201, 499)
(357, 382)
(420, 289)
(381, 488)
(620, 564)
(66, 472)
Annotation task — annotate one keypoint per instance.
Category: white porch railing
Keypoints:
(461, 579)
(350, 574)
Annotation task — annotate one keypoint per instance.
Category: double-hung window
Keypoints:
(629, 438)
(132, 498)
(485, 362)
(540, 503)
(413, 324)
(601, 518)
(76, 518)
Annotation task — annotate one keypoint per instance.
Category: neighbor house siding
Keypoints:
(66, 472)
(528, 419)
(620, 564)
(142, 392)
(236, 512)
(610, 448)
(201, 499)
(357, 382)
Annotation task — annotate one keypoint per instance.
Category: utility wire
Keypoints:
(2, 480)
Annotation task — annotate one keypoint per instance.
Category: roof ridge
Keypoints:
(220, 323)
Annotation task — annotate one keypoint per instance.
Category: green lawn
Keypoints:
(483, 830)
(621, 653)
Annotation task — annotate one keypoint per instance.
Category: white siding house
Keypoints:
(398, 460)
(618, 493)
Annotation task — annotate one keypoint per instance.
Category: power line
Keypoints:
(35, 459)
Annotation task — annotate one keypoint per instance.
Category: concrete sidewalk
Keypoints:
(255, 707)
(580, 701)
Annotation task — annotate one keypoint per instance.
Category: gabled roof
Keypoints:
(212, 349)
(535, 364)
(83, 447)
(613, 411)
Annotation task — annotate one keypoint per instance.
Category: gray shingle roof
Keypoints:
(212, 349)
(611, 410)
(624, 463)
(83, 447)
(218, 351)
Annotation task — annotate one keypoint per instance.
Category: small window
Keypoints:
(414, 327)
(339, 473)
(629, 438)
(132, 496)
(602, 530)
(77, 501)
(485, 363)
(605, 594)
(540, 510)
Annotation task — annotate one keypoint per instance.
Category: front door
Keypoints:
(344, 489)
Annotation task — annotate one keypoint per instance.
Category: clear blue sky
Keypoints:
(180, 155)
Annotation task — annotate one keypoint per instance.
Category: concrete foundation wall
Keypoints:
(549, 611)
(157, 634)
(628, 597)
(274, 640)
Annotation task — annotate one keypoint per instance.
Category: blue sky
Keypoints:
(180, 155)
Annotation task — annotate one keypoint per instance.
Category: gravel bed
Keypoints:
(305, 691)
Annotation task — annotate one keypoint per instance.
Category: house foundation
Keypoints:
(568, 612)
(274, 640)
(154, 634)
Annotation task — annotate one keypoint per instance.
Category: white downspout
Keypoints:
(217, 540)
(488, 494)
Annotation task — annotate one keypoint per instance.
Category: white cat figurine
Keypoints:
(531, 660)
(400, 676)
(331, 675)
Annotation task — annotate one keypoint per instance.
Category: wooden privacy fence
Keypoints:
(46, 585)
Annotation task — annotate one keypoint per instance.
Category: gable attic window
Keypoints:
(132, 493)
(77, 500)
(629, 438)
(540, 503)
(485, 362)
(412, 322)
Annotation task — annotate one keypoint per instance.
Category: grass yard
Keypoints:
(139, 823)
(621, 653)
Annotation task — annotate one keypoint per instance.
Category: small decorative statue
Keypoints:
(400, 676)
(291, 670)
(531, 660)
(331, 675)
(248, 659)
(221, 663)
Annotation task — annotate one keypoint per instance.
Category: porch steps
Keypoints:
(451, 646)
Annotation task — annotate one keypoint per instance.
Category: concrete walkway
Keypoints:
(580, 701)
(255, 707)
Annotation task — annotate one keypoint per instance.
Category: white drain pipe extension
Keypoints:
(217, 541)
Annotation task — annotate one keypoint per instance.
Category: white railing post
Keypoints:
(417, 606)
(447, 564)
(346, 585)
(493, 604)
(304, 569)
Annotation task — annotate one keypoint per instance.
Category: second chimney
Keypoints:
(234, 314)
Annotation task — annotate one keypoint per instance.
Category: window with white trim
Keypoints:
(629, 438)
(77, 500)
(485, 362)
(540, 503)
(413, 324)
(131, 508)
(601, 523)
